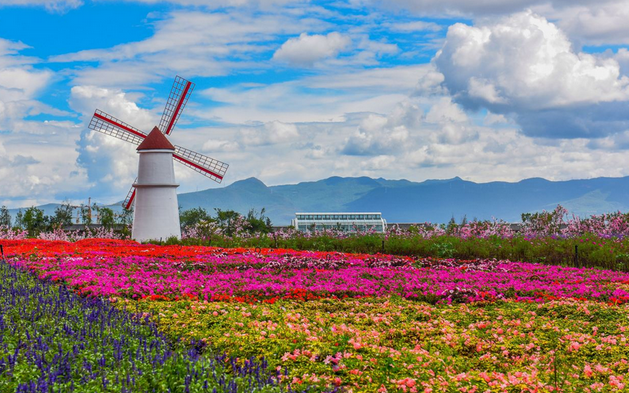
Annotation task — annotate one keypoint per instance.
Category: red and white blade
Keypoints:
(205, 165)
(128, 201)
(179, 94)
(109, 125)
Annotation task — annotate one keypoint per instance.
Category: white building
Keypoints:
(156, 211)
(346, 222)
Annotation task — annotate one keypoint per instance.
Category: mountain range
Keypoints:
(403, 201)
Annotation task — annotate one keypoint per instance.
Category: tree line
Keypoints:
(34, 221)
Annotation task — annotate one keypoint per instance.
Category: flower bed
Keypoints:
(127, 269)
(53, 340)
(365, 323)
(396, 345)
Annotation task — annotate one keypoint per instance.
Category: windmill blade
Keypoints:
(205, 165)
(128, 201)
(109, 125)
(177, 100)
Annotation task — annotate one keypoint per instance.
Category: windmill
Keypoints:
(156, 212)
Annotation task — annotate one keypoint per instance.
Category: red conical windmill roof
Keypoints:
(156, 140)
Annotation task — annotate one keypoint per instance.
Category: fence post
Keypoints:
(383, 246)
(576, 255)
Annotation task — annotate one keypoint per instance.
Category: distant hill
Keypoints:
(406, 201)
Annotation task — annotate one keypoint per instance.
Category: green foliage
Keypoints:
(34, 221)
(62, 216)
(5, 217)
(125, 219)
(258, 223)
(19, 219)
(106, 217)
(192, 217)
(86, 214)
(227, 220)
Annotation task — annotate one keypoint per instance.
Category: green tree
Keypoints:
(5, 217)
(62, 216)
(35, 221)
(105, 217)
(192, 217)
(258, 223)
(125, 217)
(227, 220)
(86, 213)
(19, 219)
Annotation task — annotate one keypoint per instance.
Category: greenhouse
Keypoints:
(346, 222)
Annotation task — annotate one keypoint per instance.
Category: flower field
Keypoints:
(54, 340)
(354, 322)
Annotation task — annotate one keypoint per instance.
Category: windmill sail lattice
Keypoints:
(109, 125)
(128, 201)
(214, 169)
(177, 100)
(179, 95)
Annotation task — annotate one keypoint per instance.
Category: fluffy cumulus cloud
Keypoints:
(378, 135)
(526, 65)
(306, 50)
(605, 24)
(37, 158)
(19, 80)
(110, 163)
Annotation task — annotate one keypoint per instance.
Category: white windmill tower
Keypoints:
(156, 212)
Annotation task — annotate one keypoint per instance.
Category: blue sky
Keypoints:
(291, 91)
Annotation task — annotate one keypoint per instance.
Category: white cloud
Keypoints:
(306, 50)
(492, 118)
(274, 132)
(486, 7)
(19, 81)
(110, 163)
(525, 64)
(215, 4)
(602, 23)
(528, 61)
(86, 99)
(376, 80)
(588, 22)
(445, 111)
(190, 43)
(51, 5)
(415, 26)
(381, 135)
(212, 145)
(310, 99)
(37, 158)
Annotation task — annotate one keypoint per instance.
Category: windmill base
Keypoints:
(156, 214)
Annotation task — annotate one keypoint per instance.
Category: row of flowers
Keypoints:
(118, 268)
